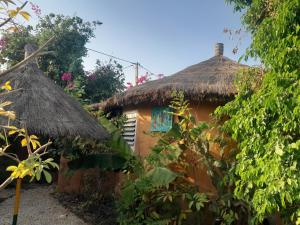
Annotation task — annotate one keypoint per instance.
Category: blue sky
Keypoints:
(163, 35)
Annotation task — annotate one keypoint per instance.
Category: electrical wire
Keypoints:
(151, 74)
(146, 69)
(126, 67)
(112, 56)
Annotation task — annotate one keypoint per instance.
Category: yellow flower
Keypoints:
(6, 86)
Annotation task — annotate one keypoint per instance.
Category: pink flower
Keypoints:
(160, 76)
(66, 76)
(71, 85)
(129, 85)
(143, 79)
(36, 9)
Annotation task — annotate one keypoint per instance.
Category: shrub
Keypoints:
(166, 189)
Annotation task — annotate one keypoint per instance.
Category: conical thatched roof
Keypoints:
(45, 108)
(210, 80)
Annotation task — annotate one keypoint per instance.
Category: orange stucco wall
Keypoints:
(74, 183)
(144, 141)
(143, 145)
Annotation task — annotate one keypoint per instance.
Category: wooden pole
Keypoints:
(136, 73)
(17, 201)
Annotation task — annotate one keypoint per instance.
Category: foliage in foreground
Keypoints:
(34, 163)
(113, 154)
(65, 52)
(265, 119)
(167, 189)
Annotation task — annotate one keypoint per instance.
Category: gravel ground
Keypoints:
(37, 207)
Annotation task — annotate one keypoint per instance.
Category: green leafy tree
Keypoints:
(104, 82)
(64, 57)
(66, 51)
(264, 118)
(69, 46)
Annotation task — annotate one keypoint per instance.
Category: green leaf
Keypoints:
(161, 176)
(47, 176)
(278, 150)
(38, 174)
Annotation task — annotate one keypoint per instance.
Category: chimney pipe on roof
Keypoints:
(219, 49)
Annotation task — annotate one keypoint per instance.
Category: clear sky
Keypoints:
(163, 35)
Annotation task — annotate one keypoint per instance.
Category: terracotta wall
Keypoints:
(143, 145)
(144, 141)
(74, 182)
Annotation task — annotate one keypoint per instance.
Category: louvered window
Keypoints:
(129, 129)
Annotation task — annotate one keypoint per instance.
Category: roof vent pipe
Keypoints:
(219, 49)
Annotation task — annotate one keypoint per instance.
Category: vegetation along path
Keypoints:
(37, 207)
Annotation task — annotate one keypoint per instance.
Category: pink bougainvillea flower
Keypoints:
(129, 85)
(66, 76)
(143, 79)
(71, 85)
(36, 9)
(160, 76)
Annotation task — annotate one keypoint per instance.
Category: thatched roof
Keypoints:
(210, 80)
(45, 108)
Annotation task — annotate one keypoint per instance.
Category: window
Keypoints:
(129, 128)
(161, 119)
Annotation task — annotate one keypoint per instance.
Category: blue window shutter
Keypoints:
(161, 119)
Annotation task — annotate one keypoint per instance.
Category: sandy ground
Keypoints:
(37, 207)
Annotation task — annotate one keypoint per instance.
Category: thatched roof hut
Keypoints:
(45, 108)
(211, 80)
(206, 85)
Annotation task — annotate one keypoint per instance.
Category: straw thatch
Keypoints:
(45, 108)
(210, 80)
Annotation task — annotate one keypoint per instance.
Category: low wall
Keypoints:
(74, 182)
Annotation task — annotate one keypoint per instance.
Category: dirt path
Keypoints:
(38, 207)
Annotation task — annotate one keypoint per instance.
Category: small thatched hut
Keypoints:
(46, 110)
(206, 85)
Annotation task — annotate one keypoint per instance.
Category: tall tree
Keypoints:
(264, 119)
(104, 82)
(65, 52)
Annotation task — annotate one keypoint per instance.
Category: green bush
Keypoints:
(163, 191)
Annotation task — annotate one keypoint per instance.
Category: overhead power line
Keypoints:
(112, 56)
(147, 69)
(126, 67)
(136, 64)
